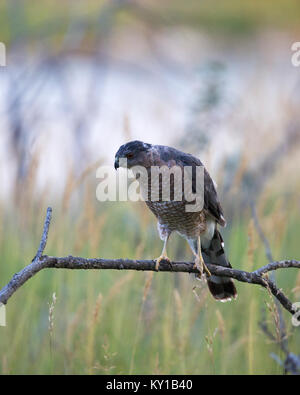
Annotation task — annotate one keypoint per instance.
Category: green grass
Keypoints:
(127, 322)
(34, 21)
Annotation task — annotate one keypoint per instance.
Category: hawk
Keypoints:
(199, 228)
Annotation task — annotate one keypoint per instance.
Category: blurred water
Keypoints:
(75, 110)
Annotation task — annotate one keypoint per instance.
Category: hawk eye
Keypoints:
(129, 156)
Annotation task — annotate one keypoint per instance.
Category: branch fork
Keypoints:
(41, 262)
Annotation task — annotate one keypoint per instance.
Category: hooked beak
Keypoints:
(116, 163)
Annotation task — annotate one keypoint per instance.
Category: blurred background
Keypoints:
(211, 78)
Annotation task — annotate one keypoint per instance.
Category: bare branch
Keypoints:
(30, 270)
(79, 263)
(292, 361)
(45, 235)
(277, 265)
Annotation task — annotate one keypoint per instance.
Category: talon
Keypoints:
(159, 259)
(200, 265)
(208, 273)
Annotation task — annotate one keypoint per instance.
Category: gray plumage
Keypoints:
(172, 215)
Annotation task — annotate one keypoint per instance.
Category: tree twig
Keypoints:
(292, 361)
(41, 262)
(44, 236)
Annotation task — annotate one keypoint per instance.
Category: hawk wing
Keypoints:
(211, 201)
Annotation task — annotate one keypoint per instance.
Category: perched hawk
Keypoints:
(199, 228)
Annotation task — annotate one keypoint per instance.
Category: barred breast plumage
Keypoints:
(174, 216)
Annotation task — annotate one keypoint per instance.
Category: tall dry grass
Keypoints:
(118, 322)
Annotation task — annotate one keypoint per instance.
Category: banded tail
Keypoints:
(221, 288)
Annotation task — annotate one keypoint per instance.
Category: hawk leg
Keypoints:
(163, 256)
(199, 261)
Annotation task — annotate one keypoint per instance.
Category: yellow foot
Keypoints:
(159, 259)
(200, 265)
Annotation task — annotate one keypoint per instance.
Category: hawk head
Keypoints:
(134, 152)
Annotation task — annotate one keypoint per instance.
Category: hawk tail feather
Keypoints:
(221, 288)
